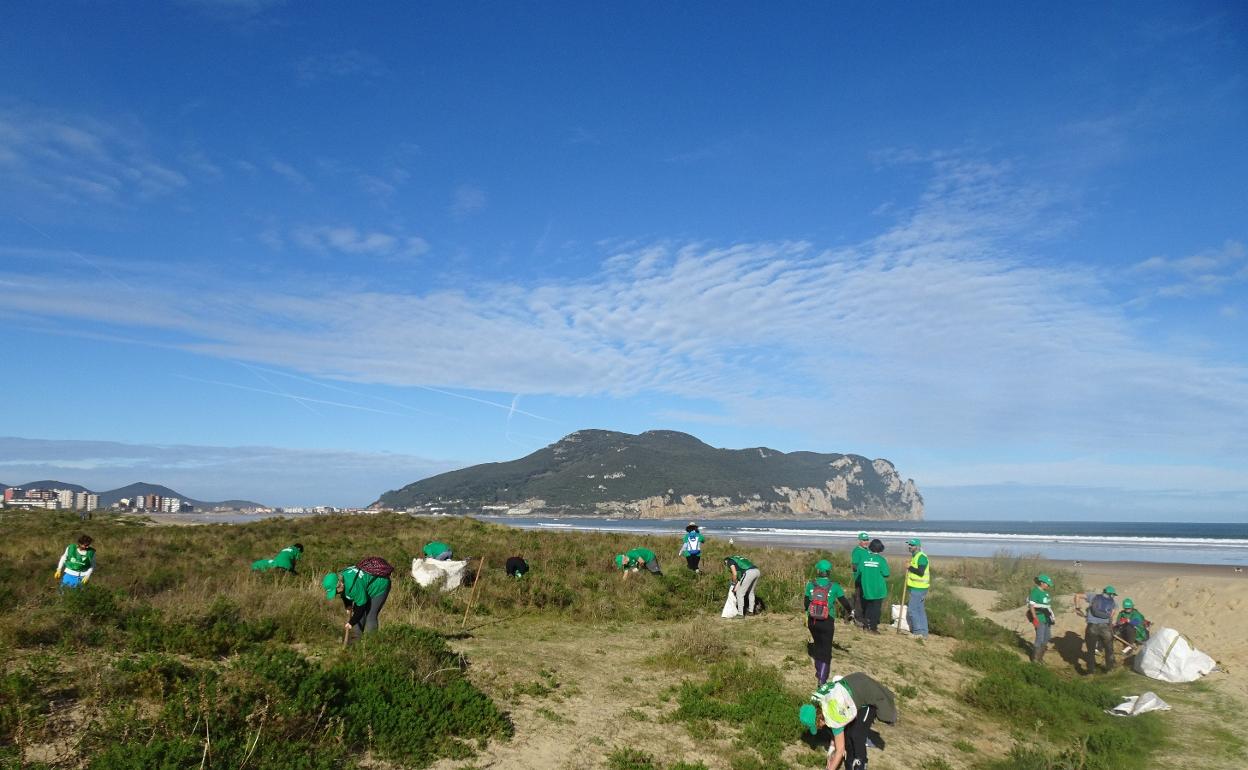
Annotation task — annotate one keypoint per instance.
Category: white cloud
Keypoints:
(351, 241)
(467, 200)
(350, 63)
(290, 174)
(1201, 274)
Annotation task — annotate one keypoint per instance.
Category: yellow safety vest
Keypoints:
(915, 581)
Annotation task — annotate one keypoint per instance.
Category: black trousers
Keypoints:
(692, 560)
(821, 633)
(856, 738)
(871, 612)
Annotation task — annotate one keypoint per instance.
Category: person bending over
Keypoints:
(848, 705)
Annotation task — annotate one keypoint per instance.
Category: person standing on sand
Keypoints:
(860, 552)
(873, 575)
(437, 550)
(691, 547)
(820, 618)
(1098, 633)
(364, 589)
(1040, 613)
(637, 558)
(77, 564)
(285, 560)
(849, 705)
(918, 580)
(744, 576)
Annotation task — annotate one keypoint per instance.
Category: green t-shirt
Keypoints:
(1135, 619)
(1041, 604)
(359, 586)
(855, 558)
(641, 555)
(692, 543)
(741, 562)
(873, 570)
(436, 549)
(834, 588)
(287, 557)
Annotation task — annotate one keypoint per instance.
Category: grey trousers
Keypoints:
(745, 590)
(1099, 635)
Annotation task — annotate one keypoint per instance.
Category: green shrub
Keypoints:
(751, 697)
(631, 759)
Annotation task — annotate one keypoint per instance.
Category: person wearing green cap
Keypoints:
(918, 580)
(437, 551)
(821, 620)
(1098, 633)
(285, 560)
(637, 558)
(860, 552)
(363, 595)
(1040, 613)
(848, 705)
(1131, 626)
(873, 576)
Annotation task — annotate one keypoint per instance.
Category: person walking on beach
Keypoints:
(691, 547)
(637, 558)
(364, 589)
(1098, 633)
(860, 552)
(285, 560)
(1040, 613)
(77, 563)
(820, 618)
(873, 576)
(437, 550)
(744, 576)
(918, 580)
(849, 705)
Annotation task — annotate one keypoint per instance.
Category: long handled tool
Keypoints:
(901, 610)
(472, 598)
(346, 631)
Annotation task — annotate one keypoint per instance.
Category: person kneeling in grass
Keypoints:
(849, 705)
(637, 558)
(285, 560)
(364, 589)
(438, 551)
(76, 564)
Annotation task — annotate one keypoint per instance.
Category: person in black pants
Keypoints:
(849, 705)
(821, 617)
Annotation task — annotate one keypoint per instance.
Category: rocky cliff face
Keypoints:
(665, 474)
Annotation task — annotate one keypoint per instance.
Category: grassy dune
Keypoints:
(176, 655)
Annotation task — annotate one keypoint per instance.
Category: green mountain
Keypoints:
(666, 474)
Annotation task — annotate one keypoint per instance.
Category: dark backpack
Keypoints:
(375, 566)
(1102, 607)
(818, 609)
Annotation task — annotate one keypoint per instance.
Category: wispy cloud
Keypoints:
(466, 201)
(351, 241)
(290, 174)
(350, 63)
(1201, 274)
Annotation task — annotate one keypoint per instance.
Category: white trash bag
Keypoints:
(429, 571)
(1170, 657)
(730, 605)
(899, 617)
(1139, 704)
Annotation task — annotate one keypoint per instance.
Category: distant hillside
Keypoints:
(662, 474)
(144, 488)
(50, 484)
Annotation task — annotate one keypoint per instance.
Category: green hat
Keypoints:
(1127, 604)
(330, 584)
(620, 559)
(1044, 579)
(823, 565)
(913, 541)
(863, 536)
(1110, 590)
(806, 715)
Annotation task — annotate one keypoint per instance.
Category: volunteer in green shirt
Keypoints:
(637, 558)
(744, 576)
(362, 594)
(1130, 626)
(860, 552)
(691, 546)
(285, 560)
(918, 580)
(77, 564)
(1040, 613)
(873, 578)
(821, 619)
(849, 705)
(437, 550)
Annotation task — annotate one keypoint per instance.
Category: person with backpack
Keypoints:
(873, 576)
(744, 576)
(437, 551)
(918, 580)
(285, 560)
(364, 589)
(637, 558)
(1130, 625)
(691, 547)
(860, 552)
(1040, 615)
(821, 620)
(77, 564)
(516, 566)
(849, 705)
(1098, 632)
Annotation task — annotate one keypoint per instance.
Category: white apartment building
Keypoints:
(65, 499)
(86, 501)
(170, 505)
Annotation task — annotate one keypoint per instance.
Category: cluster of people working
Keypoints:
(1105, 624)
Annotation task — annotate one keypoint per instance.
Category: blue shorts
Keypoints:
(71, 581)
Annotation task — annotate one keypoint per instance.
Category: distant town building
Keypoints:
(11, 493)
(86, 501)
(64, 498)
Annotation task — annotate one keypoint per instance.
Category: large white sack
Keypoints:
(1170, 657)
(730, 605)
(430, 571)
(900, 619)
(1139, 704)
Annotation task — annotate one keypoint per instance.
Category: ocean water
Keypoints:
(1195, 543)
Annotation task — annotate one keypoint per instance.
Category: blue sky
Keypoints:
(305, 253)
